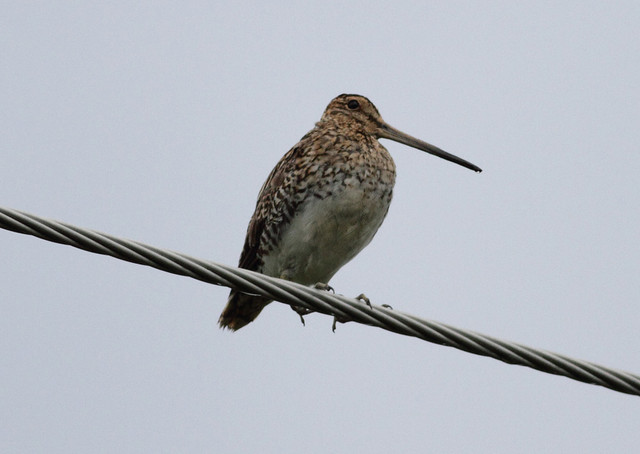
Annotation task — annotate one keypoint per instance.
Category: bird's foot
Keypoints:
(302, 311)
(361, 297)
(323, 286)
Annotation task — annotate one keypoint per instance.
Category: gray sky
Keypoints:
(159, 122)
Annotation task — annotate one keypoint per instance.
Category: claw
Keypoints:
(362, 297)
(336, 320)
(323, 286)
(301, 311)
(386, 306)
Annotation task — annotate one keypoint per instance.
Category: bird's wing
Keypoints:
(275, 207)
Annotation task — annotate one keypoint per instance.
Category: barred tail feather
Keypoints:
(241, 310)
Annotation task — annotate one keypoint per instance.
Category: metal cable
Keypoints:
(345, 309)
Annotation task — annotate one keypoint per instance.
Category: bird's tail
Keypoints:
(241, 310)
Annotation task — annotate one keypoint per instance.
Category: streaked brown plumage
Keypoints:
(323, 202)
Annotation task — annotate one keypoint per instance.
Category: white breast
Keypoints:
(326, 233)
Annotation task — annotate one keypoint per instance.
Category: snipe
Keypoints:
(323, 202)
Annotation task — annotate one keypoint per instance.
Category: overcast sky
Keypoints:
(159, 122)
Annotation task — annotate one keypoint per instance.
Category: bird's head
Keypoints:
(357, 113)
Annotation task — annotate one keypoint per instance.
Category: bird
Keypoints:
(323, 202)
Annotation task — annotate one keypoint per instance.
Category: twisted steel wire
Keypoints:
(345, 309)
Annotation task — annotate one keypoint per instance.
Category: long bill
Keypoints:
(389, 132)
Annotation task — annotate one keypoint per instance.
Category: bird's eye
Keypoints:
(353, 104)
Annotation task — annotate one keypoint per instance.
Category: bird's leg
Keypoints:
(361, 297)
(302, 311)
